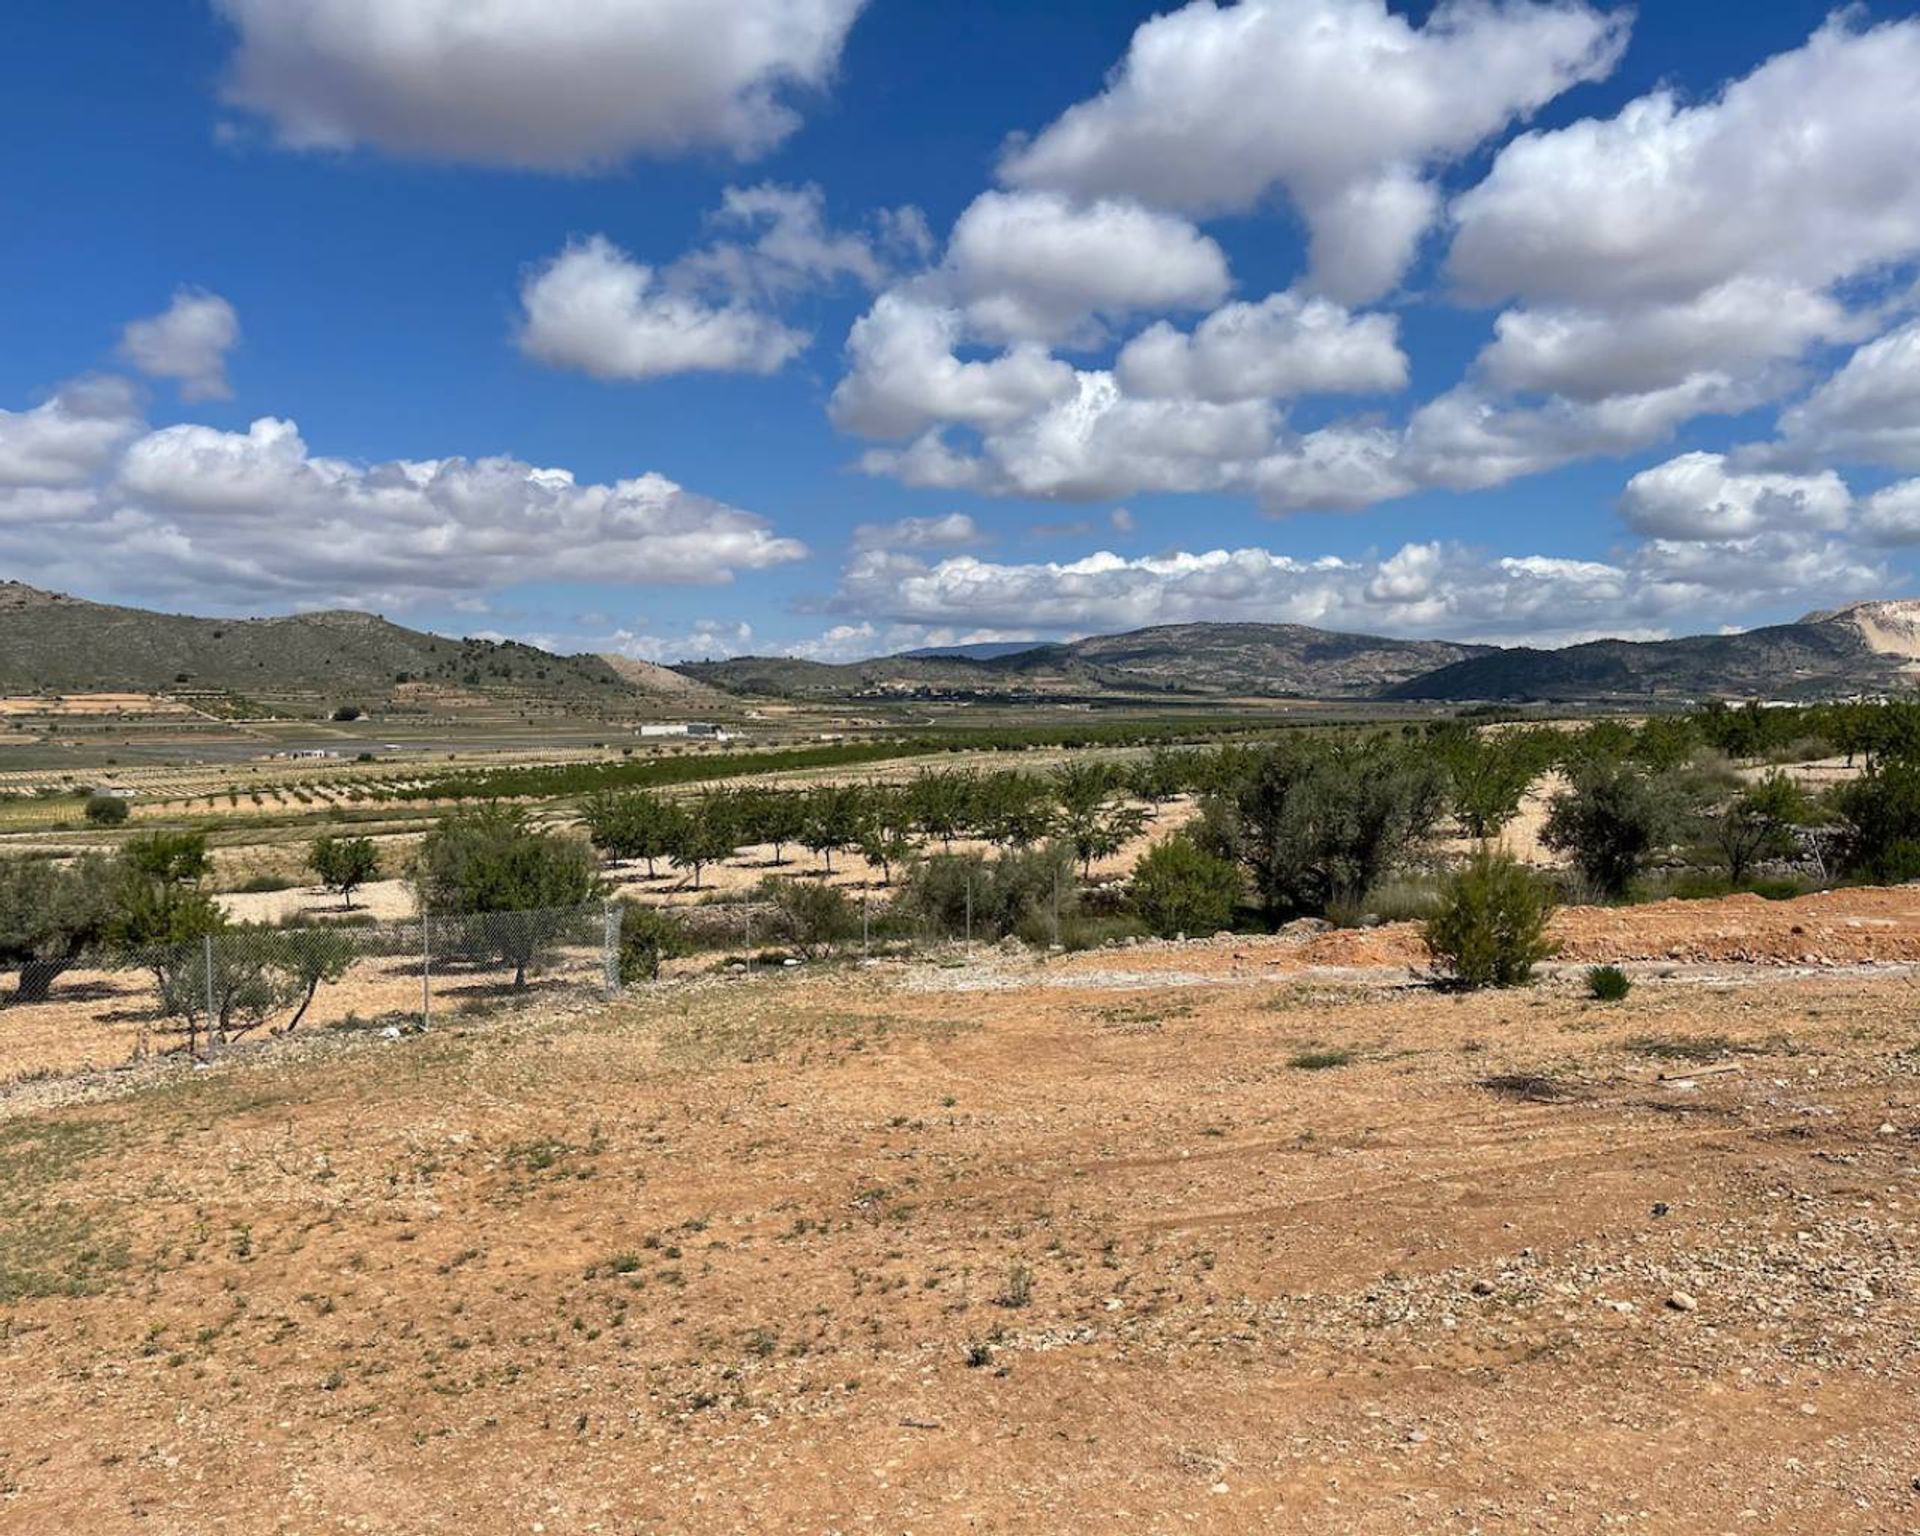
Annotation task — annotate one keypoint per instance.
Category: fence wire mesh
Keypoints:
(244, 982)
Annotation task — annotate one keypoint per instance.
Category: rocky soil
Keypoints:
(1173, 1238)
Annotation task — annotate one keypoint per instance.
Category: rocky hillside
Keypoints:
(1187, 660)
(1869, 648)
(54, 642)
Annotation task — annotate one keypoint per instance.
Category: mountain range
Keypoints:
(1192, 661)
(52, 642)
(1870, 647)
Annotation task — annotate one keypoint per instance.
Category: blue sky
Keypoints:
(857, 326)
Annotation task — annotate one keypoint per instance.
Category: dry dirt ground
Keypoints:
(1205, 1237)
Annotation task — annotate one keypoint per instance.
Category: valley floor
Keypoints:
(1246, 1235)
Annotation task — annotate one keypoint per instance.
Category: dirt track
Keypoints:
(855, 1251)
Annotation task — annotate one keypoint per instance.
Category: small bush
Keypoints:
(1321, 1060)
(648, 936)
(1178, 887)
(1019, 892)
(107, 810)
(1490, 930)
(1608, 984)
(811, 916)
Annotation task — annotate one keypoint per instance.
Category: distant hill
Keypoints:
(49, 641)
(1192, 660)
(1868, 648)
(979, 650)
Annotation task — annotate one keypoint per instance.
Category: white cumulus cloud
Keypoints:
(904, 376)
(595, 309)
(1869, 411)
(1283, 346)
(1435, 588)
(1345, 105)
(1036, 266)
(188, 342)
(69, 438)
(1800, 174)
(1696, 496)
(559, 85)
(229, 520)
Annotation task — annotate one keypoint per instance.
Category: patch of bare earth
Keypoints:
(847, 1250)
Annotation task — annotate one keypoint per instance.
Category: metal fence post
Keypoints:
(208, 940)
(866, 928)
(969, 917)
(426, 974)
(610, 952)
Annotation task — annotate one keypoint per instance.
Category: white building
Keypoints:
(698, 730)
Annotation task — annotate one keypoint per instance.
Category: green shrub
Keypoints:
(809, 915)
(1490, 930)
(1608, 984)
(1613, 817)
(107, 810)
(1179, 887)
(1879, 816)
(1760, 823)
(1022, 892)
(648, 936)
(1316, 823)
(1320, 1059)
(1086, 931)
(1397, 899)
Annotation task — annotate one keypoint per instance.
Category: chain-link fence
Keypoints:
(249, 981)
(245, 982)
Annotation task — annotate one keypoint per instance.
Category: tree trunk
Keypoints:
(305, 1003)
(36, 980)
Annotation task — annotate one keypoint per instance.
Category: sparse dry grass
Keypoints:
(1006, 1248)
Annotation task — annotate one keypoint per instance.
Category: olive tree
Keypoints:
(1314, 822)
(51, 913)
(1613, 817)
(519, 885)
